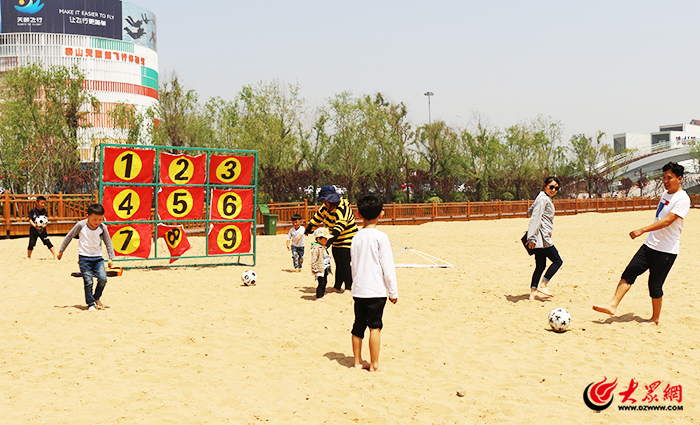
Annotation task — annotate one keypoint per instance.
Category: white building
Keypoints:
(680, 133)
(112, 42)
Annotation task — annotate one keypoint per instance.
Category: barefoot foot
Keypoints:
(604, 309)
(99, 305)
(544, 291)
(649, 323)
(363, 366)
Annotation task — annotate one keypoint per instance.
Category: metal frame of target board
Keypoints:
(207, 222)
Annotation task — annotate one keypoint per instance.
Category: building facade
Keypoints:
(112, 42)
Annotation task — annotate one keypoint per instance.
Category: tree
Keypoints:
(41, 114)
(589, 159)
(480, 160)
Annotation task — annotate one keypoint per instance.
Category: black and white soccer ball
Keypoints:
(41, 221)
(249, 277)
(559, 319)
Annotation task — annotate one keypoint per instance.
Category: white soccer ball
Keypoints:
(41, 221)
(559, 319)
(249, 277)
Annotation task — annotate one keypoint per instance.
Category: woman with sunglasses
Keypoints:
(539, 237)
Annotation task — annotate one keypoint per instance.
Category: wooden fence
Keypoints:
(65, 209)
(465, 211)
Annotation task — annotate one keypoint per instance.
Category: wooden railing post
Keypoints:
(393, 213)
(306, 211)
(469, 211)
(434, 210)
(6, 213)
(61, 205)
(499, 209)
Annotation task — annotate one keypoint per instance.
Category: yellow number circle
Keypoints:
(128, 165)
(180, 203)
(229, 170)
(126, 203)
(126, 240)
(229, 238)
(181, 170)
(173, 237)
(229, 205)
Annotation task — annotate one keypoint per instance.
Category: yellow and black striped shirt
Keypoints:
(340, 222)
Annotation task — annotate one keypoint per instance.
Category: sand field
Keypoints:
(194, 346)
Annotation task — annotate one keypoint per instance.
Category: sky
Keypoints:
(611, 66)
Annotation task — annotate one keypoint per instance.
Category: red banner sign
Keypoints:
(231, 204)
(182, 169)
(127, 203)
(225, 238)
(180, 203)
(133, 240)
(175, 238)
(128, 165)
(231, 170)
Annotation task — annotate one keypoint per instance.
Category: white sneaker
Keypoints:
(92, 308)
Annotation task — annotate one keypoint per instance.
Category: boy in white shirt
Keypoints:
(660, 248)
(295, 242)
(373, 275)
(91, 232)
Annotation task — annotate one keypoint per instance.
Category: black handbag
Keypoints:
(527, 248)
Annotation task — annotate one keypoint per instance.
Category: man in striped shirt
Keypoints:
(337, 215)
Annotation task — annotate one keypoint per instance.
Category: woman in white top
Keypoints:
(539, 237)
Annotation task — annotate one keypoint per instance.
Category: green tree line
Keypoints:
(359, 142)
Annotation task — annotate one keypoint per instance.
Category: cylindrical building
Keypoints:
(112, 42)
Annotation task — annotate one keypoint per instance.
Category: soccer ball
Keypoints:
(249, 277)
(559, 319)
(41, 221)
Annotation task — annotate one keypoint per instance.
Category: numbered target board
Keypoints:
(234, 204)
(176, 240)
(127, 203)
(229, 238)
(191, 191)
(231, 170)
(182, 169)
(133, 240)
(124, 165)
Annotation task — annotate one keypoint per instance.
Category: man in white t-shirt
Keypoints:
(660, 248)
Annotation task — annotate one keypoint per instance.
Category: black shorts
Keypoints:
(35, 234)
(658, 263)
(368, 314)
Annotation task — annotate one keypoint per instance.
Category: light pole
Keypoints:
(429, 93)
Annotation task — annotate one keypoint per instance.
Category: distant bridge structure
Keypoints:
(649, 160)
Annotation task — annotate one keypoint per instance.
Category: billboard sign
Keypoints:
(98, 18)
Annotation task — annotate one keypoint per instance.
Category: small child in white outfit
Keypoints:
(320, 261)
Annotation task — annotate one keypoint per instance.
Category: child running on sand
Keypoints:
(91, 232)
(295, 242)
(320, 261)
(373, 275)
(660, 249)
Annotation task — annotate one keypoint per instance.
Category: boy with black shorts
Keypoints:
(660, 248)
(373, 275)
(36, 231)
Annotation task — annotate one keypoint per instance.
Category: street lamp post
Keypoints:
(429, 93)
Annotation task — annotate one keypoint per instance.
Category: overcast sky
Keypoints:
(613, 66)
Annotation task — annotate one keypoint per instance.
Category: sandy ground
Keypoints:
(194, 346)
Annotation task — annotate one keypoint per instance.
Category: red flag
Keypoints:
(175, 238)
(180, 203)
(231, 204)
(133, 240)
(225, 238)
(128, 165)
(231, 170)
(182, 169)
(127, 203)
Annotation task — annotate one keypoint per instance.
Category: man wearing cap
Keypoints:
(337, 215)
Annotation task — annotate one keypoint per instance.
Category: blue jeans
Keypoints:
(92, 267)
(297, 256)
